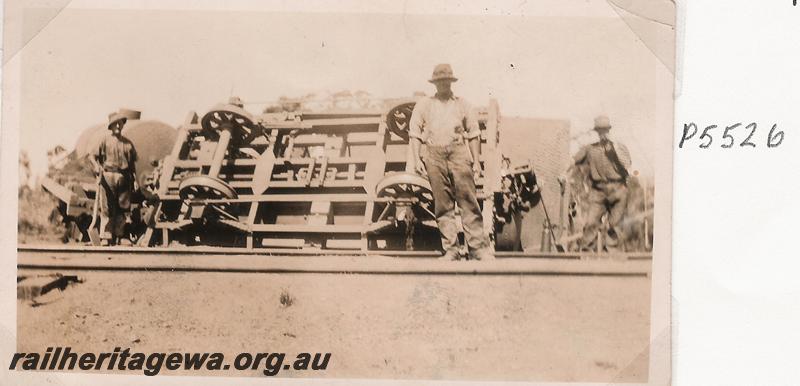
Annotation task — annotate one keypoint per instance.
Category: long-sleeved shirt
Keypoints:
(600, 167)
(441, 122)
(115, 154)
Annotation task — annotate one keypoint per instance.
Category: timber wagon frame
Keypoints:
(310, 180)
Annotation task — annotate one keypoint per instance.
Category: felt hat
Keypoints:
(602, 123)
(116, 117)
(442, 72)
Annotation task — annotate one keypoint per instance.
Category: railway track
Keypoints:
(209, 259)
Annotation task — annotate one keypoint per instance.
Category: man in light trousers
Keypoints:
(449, 129)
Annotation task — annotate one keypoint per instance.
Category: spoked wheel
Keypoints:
(405, 219)
(408, 186)
(205, 187)
(398, 119)
(230, 117)
(195, 188)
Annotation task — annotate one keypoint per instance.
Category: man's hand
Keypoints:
(419, 167)
(475, 151)
(476, 170)
(414, 162)
(96, 168)
(415, 165)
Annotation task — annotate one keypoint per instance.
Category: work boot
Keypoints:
(450, 256)
(482, 254)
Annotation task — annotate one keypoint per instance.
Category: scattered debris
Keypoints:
(31, 287)
(286, 299)
(605, 365)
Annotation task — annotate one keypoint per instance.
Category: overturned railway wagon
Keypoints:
(333, 180)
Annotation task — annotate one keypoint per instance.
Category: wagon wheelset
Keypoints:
(205, 187)
(229, 117)
(398, 119)
(407, 186)
(196, 188)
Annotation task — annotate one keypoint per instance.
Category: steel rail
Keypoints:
(99, 260)
(194, 250)
(65, 258)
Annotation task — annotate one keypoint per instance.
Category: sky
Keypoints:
(573, 61)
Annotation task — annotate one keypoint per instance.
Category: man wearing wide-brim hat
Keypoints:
(606, 165)
(114, 161)
(448, 127)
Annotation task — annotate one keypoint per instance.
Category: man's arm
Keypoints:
(624, 155)
(475, 149)
(414, 162)
(132, 166)
(135, 182)
(95, 164)
(133, 158)
(95, 158)
(580, 156)
(473, 135)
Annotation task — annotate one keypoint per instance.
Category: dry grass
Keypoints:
(286, 298)
(35, 223)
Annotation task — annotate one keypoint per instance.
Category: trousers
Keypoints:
(450, 174)
(114, 202)
(605, 197)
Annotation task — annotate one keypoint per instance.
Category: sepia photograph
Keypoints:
(343, 191)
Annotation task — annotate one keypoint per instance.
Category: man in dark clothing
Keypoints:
(606, 164)
(114, 162)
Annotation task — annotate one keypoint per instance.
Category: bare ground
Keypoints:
(524, 327)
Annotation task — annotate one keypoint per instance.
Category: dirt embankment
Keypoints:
(536, 328)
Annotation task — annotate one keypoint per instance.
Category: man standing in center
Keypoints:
(449, 128)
